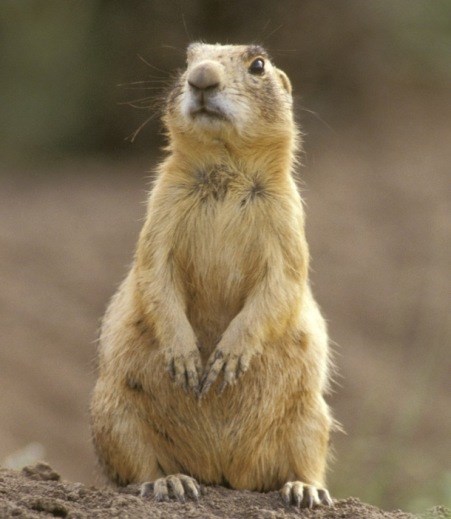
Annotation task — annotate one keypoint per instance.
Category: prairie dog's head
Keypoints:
(229, 92)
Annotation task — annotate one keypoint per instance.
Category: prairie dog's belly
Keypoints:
(218, 258)
(216, 291)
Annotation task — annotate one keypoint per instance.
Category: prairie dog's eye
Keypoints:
(257, 66)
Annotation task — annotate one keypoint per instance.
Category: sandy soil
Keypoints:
(38, 492)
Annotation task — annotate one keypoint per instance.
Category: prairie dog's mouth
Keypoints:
(208, 112)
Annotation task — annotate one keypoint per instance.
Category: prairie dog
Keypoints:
(213, 354)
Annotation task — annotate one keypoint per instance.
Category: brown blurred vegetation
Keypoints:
(372, 83)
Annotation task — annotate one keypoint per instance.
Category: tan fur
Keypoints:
(219, 282)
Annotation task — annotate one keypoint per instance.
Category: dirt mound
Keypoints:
(38, 492)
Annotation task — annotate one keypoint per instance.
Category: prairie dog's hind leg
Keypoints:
(124, 447)
(121, 438)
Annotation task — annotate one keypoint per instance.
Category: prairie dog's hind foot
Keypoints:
(302, 495)
(177, 486)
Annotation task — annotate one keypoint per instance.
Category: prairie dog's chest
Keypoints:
(221, 222)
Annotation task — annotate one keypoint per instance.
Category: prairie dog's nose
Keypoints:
(205, 75)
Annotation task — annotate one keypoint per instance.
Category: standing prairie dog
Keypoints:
(213, 354)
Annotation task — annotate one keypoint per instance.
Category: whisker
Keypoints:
(318, 117)
(152, 66)
(147, 98)
(138, 107)
(143, 88)
(132, 136)
(273, 31)
(180, 51)
(160, 80)
(268, 21)
(185, 25)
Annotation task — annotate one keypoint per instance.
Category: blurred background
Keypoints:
(372, 85)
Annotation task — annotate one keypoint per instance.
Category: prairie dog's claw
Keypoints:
(178, 486)
(231, 363)
(185, 370)
(302, 495)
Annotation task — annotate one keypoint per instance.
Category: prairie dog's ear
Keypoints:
(286, 83)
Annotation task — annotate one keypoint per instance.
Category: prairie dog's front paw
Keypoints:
(185, 367)
(232, 362)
